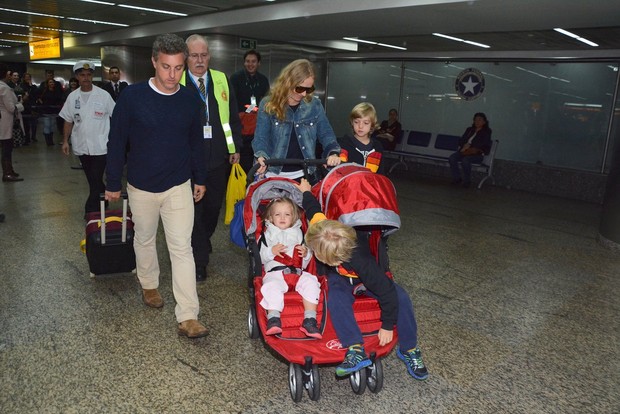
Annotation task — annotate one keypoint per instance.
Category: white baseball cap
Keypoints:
(84, 64)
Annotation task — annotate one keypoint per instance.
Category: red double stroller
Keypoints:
(357, 197)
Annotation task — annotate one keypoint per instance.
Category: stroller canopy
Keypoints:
(355, 196)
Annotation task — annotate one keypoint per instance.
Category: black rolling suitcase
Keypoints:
(109, 240)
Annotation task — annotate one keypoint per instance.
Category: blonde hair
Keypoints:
(331, 241)
(281, 200)
(364, 109)
(292, 75)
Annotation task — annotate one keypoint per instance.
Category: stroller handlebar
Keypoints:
(285, 161)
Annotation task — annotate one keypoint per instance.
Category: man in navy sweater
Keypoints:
(160, 121)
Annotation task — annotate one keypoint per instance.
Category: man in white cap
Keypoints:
(87, 113)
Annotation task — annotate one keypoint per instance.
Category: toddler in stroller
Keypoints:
(282, 252)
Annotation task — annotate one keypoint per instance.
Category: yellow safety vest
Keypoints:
(221, 93)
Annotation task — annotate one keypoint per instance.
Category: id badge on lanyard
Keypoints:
(252, 105)
(207, 131)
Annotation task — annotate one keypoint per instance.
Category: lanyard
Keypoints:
(250, 84)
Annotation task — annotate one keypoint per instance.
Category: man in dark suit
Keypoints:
(221, 139)
(115, 86)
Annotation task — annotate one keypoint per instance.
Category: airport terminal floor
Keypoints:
(517, 308)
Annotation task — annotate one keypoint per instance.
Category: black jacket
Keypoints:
(364, 264)
(482, 140)
(353, 147)
(110, 89)
(246, 86)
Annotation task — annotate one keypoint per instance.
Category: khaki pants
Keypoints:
(176, 209)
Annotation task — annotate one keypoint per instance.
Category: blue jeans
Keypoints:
(340, 304)
(49, 122)
(466, 162)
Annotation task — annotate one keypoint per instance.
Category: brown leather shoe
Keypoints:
(192, 329)
(152, 298)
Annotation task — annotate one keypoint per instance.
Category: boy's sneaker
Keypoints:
(354, 360)
(274, 326)
(310, 328)
(413, 361)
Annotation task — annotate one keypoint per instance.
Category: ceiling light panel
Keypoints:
(152, 10)
(92, 16)
(358, 40)
(458, 39)
(576, 37)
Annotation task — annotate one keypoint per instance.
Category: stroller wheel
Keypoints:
(374, 376)
(314, 383)
(358, 381)
(253, 330)
(295, 382)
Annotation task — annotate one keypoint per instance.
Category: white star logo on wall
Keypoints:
(469, 84)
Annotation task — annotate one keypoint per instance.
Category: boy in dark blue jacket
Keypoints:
(353, 267)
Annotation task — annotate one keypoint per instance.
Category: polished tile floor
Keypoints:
(518, 310)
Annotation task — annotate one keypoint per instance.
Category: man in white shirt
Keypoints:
(87, 113)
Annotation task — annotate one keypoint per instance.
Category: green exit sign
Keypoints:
(247, 44)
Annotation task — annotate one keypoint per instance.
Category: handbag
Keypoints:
(237, 230)
(18, 132)
(235, 190)
(470, 151)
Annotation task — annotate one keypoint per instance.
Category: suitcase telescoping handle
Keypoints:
(124, 221)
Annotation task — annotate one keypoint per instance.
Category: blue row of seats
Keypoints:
(436, 148)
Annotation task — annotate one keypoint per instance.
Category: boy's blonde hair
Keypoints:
(279, 200)
(331, 241)
(364, 109)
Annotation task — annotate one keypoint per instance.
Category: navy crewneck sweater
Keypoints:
(165, 137)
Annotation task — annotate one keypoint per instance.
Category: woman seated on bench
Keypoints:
(390, 130)
(473, 146)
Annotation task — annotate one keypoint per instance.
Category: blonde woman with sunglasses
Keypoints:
(290, 122)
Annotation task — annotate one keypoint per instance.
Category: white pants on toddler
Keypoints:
(274, 287)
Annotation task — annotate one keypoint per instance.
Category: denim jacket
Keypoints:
(272, 136)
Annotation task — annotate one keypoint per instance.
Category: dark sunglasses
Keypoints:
(302, 89)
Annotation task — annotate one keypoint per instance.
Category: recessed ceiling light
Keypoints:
(107, 3)
(152, 10)
(355, 39)
(42, 28)
(370, 42)
(30, 13)
(457, 39)
(97, 21)
(13, 41)
(574, 36)
(30, 36)
(391, 46)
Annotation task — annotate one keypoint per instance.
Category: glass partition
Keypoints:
(350, 83)
(554, 114)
